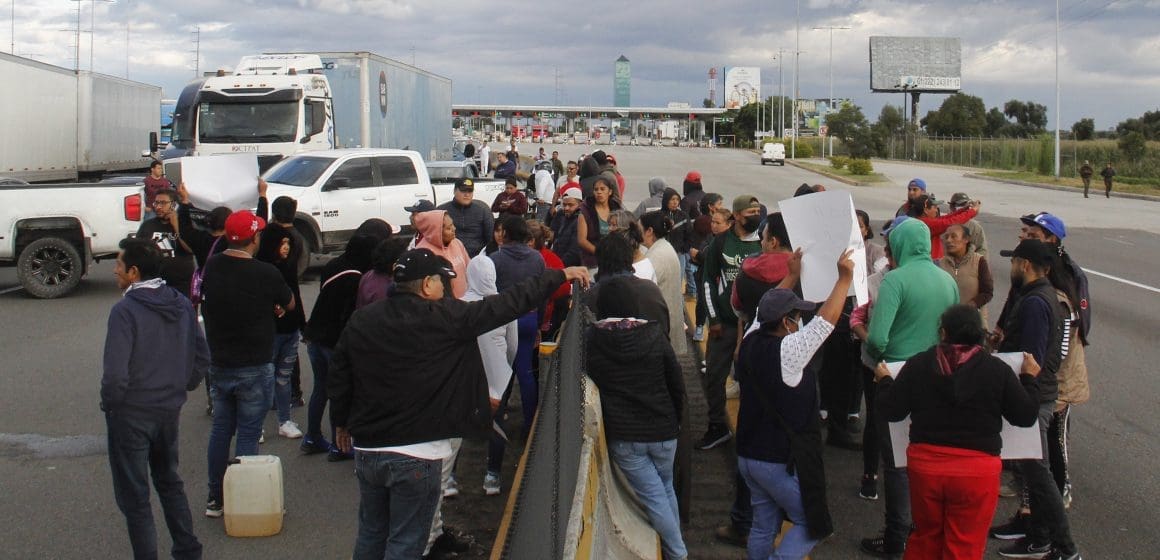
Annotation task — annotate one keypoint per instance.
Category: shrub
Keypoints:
(860, 167)
(804, 149)
(838, 162)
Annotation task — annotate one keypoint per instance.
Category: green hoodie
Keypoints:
(911, 299)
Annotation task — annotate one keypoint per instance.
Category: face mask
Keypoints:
(800, 324)
(751, 223)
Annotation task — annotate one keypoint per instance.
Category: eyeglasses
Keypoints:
(162, 203)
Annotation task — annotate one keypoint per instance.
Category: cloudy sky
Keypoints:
(512, 51)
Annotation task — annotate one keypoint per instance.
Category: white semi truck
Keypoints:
(280, 104)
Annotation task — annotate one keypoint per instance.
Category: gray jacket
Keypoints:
(656, 192)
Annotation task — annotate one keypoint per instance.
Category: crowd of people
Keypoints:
(415, 344)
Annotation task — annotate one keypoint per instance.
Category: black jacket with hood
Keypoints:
(641, 387)
(408, 370)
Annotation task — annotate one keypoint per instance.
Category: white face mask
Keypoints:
(800, 323)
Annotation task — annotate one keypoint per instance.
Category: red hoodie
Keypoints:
(758, 274)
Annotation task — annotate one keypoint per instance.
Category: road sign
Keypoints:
(823, 130)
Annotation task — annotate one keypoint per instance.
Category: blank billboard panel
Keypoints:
(919, 64)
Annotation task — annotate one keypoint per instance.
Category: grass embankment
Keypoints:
(844, 173)
(1125, 184)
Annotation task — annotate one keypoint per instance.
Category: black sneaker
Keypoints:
(878, 546)
(297, 402)
(312, 446)
(715, 436)
(449, 542)
(869, 490)
(730, 535)
(213, 508)
(1013, 529)
(1024, 548)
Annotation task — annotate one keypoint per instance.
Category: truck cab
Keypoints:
(271, 105)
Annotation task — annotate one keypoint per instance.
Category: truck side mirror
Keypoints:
(153, 144)
(336, 184)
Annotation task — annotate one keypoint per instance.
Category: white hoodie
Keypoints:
(497, 347)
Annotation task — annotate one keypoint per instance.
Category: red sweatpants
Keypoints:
(953, 493)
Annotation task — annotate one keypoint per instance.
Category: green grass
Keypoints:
(1125, 184)
(871, 178)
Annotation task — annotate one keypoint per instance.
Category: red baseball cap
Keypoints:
(693, 176)
(243, 224)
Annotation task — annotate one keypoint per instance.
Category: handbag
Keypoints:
(198, 277)
(805, 451)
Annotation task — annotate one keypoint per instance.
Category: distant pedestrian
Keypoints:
(505, 167)
(978, 239)
(165, 231)
(473, 218)
(511, 201)
(692, 191)
(914, 189)
(596, 212)
(154, 355)
(1085, 173)
(1107, 174)
(155, 182)
(243, 297)
(564, 227)
(656, 191)
(557, 165)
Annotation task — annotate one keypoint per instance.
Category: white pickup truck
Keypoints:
(337, 190)
(52, 232)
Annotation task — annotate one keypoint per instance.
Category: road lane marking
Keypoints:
(10, 290)
(1118, 279)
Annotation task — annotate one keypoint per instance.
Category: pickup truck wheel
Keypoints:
(49, 268)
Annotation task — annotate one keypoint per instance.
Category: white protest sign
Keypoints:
(1018, 443)
(229, 180)
(823, 225)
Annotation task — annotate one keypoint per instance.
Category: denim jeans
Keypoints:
(140, 448)
(776, 494)
(688, 269)
(320, 363)
(397, 499)
(241, 399)
(896, 490)
(649, 470)
(285, 358)
(1048, 519)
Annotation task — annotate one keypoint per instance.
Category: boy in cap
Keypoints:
(914, 189)
(241, 298)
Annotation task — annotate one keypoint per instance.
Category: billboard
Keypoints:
(812, 112)
(918, 64)
(742, 86)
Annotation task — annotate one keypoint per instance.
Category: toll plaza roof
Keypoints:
(563, 112)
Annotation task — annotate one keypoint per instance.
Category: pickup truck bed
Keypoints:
(52, 232)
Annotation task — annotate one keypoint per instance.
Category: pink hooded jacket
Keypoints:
(430, 226)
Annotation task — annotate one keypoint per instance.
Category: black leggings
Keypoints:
(870, 453)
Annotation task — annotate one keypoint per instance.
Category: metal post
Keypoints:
(1057, 109)
(797, 46)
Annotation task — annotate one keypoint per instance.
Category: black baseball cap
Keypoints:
(777, 303)
(1033, 250)
(465, 185)
(423, 205)
(421, 263)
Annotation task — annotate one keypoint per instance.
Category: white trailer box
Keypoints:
(59, 123)
(116, 117)
(38, 121)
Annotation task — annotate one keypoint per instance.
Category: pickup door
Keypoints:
(370, 186)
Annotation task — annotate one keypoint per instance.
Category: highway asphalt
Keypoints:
(58, 500)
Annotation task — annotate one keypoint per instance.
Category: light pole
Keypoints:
(831, 28)
(797, 49)
(1057, 89)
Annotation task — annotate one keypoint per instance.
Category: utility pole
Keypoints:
(797, 45)
(1057, 109)
(780, 96)
(831, 28)
(197, 51)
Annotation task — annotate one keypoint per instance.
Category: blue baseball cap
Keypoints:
(918, 183)
(1048, 222)
(890, 227)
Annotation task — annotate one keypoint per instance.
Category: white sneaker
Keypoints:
(452, 489)
(491, 485)
(289, 430)
(262, 436)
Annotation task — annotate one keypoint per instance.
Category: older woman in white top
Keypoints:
(656, 226)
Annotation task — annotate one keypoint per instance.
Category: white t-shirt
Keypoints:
(429, 450)
(644, 270)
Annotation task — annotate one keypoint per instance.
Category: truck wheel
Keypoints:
(49, 267)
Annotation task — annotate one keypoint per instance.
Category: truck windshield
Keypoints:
(299, 171)
(248, 122)
(446, 174)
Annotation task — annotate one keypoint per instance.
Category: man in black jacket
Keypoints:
(406, 377)
(473, 219)
(1034, 325)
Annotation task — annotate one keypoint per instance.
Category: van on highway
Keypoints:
(773, 152)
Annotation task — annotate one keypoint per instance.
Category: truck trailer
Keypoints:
(281, 104)
(61, 124)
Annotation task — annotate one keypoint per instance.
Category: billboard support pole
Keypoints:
(1057, 90)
